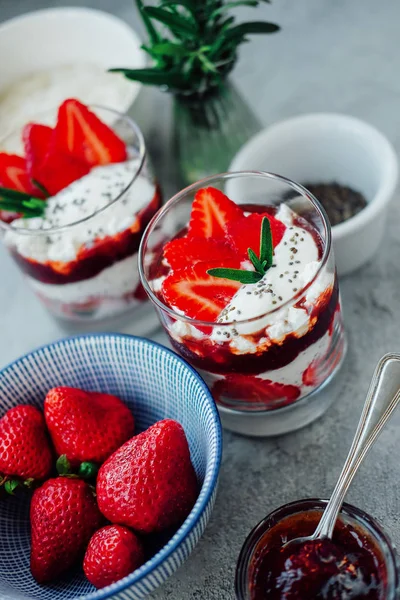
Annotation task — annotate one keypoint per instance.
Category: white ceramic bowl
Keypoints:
(59, 38)
(322, 148)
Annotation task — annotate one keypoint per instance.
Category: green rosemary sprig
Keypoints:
(193, 43)
(19, 202)
(41, 187)
(261, 263)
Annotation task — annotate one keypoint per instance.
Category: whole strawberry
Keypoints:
(64, 516)
(113, 552)
(87, 426)
(24, 445)
(149, 484)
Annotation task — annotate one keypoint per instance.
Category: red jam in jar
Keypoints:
(350, 566)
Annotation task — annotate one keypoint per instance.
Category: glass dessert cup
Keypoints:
(269, 373)
(85, 271)
(355, 532)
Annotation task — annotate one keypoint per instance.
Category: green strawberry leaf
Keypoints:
(11, 485)
(88, 470)
(63, 465)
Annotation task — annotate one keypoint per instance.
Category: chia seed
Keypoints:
(340, 202)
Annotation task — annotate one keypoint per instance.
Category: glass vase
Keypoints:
(209, 130)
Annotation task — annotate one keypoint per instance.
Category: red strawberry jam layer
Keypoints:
(348, 567)
(92, 258)
(272, 320)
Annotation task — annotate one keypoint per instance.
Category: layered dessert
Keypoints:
(85, 198)
(251, 301)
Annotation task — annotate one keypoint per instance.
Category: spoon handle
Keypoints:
(382, 399)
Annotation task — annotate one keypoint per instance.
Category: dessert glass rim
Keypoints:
(364, 519)
(204, 183)
(142, 156)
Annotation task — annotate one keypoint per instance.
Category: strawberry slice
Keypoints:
(311, 376)
(185, 251)
(81, 134)
(254, 390)
(199, 295)
(245, 233)
(13, 173)
(211, 212)
(37, 140)
(58, 170)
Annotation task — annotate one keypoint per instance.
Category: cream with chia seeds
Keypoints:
(291, 374)
(112, 282)
(295, 264)
(55, 239)
(79, 201)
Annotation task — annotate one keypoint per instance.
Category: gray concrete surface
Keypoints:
(335, 56)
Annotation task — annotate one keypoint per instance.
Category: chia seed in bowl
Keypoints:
(340, 201)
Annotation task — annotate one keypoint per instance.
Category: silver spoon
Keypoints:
(382, 399)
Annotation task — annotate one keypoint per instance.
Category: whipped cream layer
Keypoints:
(291, 374)
(115, 281)
(80, 200)
(295, 264)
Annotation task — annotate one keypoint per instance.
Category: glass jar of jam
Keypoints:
(359, 562)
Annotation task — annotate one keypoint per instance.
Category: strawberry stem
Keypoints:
(86, 470)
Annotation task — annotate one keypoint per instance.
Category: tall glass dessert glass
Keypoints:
(85, 269)
(268, 359)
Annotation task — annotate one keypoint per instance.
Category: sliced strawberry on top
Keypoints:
(58, 170)
(37, 140)
(245, 233)
(199, 295)
(211, 212)
(186, 251)
(80, 133)
(13, 174)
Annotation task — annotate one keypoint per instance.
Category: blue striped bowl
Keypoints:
(156, 384)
